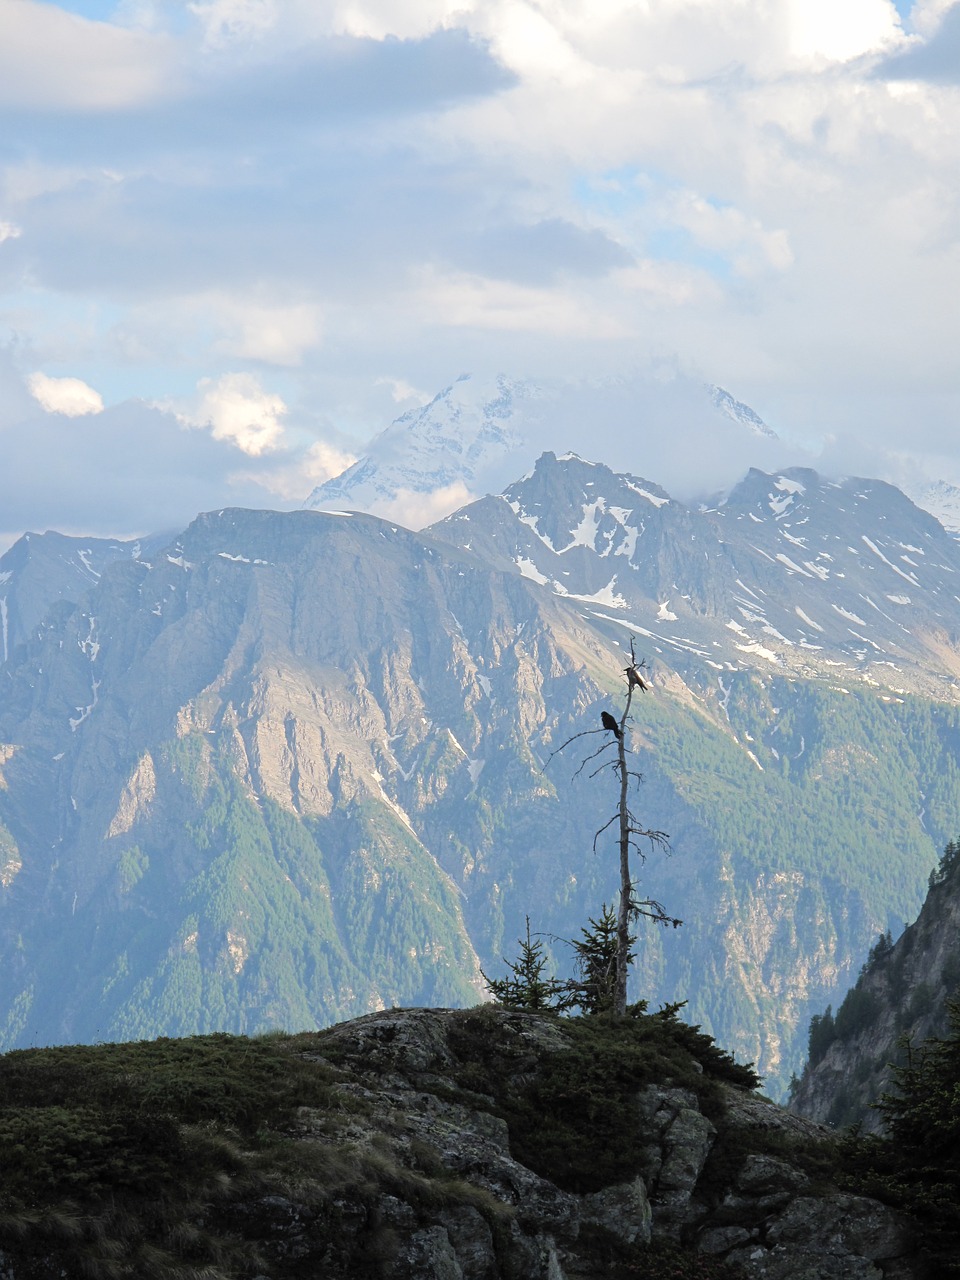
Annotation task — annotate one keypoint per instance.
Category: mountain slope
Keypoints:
(801, 575)
(901, 993)
(298, 766)
(231, 848)
(43, 568)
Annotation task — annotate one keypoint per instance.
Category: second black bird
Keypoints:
(608, 722)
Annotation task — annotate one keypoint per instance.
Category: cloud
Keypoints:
(478, 302)
(305, 196)
(53, 60)
(402, 392)
(135, 468)
(68, 396)
(236, 408)
(415, 510)
(544, 251)
(226, 20)
(822, 28)
(132, 470)
(935, 59)
(278, 333)
(292, 480)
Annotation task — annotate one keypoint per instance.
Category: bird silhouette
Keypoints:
(635, 680)
(608, 722)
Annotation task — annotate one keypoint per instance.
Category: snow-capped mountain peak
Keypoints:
(739, 412)
(480, 432)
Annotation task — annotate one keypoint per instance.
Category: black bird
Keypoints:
(635, 680)
(608, 722)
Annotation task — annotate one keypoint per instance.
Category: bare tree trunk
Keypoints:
(629, 831)
(626, 889)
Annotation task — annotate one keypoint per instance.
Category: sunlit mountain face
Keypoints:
(283, 768)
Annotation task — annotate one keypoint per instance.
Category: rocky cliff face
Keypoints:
(434, 1144)
(41, 569)
(900, 997)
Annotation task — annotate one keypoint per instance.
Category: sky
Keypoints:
(239, 237)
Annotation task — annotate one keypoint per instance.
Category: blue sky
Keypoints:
(238, 237)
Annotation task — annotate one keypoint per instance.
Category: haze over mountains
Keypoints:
(287, 767)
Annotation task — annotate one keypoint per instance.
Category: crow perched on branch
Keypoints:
(608, 722)
(635, 680)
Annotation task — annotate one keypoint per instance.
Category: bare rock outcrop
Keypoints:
(901, 995)
(469, 1194)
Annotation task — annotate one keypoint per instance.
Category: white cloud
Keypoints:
(786, 212)
(276, 334)
(402, 392)
(826, 29)
(53, 59)
(927, 15)
(416, 510)
(292, 481)
(68, 396)
(236, 408)
(405, 19)
(472, 301)
(225, 324)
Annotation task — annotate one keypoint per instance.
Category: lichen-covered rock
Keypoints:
(686, 1144)
(623, 1210)
(428, 1255)
(841, 1225)
(762, 1175)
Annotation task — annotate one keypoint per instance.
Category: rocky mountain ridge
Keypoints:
(429, 1144)
(839, 579)
(900, 997)
(41, 569)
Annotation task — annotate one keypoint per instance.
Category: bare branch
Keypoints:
(563, 745)
(631, 831)
(610, 764)
(653, 910)
(598, 834)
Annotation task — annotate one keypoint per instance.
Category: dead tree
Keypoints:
(631, 831)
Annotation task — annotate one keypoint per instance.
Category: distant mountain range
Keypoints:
(281, 769)
(478, 434)
(792, 572)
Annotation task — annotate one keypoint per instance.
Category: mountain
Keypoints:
(790, 572)
(41, 569)
(298, 766)
(940, 499)
(479, 433)
(901, 995)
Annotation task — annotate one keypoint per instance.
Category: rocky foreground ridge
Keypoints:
(425, 1144)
